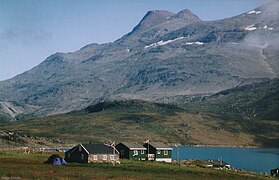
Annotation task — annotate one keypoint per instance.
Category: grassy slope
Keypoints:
(138, 121)
(257, 101)
(31, 166)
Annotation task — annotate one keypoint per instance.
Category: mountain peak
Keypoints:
(187, 14)
(152, 18)
(164, 18)
(157, 14)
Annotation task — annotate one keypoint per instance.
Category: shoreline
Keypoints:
(224, 146)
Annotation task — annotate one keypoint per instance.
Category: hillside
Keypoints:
(139, 121)
(165, 55)
(254, 101)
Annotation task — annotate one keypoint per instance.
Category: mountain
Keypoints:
(165, 56)
(257, 101)
(157, 23)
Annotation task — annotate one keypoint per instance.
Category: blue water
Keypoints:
(249, 159)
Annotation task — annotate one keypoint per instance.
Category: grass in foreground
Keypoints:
(30, 166)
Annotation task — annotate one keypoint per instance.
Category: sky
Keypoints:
(32, 30)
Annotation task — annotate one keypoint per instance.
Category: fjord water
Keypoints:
(249, 159)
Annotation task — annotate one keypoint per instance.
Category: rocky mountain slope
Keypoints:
(165, 55)
(253, 101)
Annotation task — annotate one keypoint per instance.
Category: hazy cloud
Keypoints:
(266, 32)
(24, 36)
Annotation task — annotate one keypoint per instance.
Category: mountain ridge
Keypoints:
(188, 58)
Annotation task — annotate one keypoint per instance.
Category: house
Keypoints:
(86, 153)
(132, 150)
(158, 151)
(216, 163)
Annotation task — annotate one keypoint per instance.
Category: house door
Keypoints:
(150, 157)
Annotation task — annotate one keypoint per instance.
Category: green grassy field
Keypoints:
(18, 165)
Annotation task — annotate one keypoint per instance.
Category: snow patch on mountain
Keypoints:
(250, 28)
(161, 43)
(197, 43)
(254, 12)
(269, 28)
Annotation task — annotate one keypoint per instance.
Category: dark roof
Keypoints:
(133, 145)
(159, 145)
(70, 150)
(98, 148)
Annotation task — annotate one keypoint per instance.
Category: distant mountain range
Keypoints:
(165, 57)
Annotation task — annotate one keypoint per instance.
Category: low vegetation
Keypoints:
(139, 120)
(19, 165)
(258, 101)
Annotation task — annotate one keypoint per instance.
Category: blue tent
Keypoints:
(56, 160)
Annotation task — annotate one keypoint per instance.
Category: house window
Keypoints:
(136, 152)
(165, 152)
(79, 148)
(112, 157)
(122, 152)
(95, 157)
(69, 155)
(158, 152)
(82, 156)
(105, 157)
(142, 151)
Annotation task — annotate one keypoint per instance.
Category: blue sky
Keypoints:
(31, 30)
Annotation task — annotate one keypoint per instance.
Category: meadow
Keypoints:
(19, 165)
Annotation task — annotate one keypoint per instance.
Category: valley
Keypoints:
(135, 120)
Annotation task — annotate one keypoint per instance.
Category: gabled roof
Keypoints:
(133, 145)
(98, 149)
(159, 146)
(95, 149)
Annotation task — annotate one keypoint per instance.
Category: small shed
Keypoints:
(86, 153)
(132, 150)
(158, 151)
(214, 163)
(274, 172)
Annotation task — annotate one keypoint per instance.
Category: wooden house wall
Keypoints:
(121, 148)
(129, 154)
(140, 156)
(76, 155)
(162, 155)
(153, 150)
(100, 158)
(149, 148)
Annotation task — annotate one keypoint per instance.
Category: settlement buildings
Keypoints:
(85, 153)
(152, 151)
(132, 150)
(158, 151)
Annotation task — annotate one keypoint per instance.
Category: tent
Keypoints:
(55, 159)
